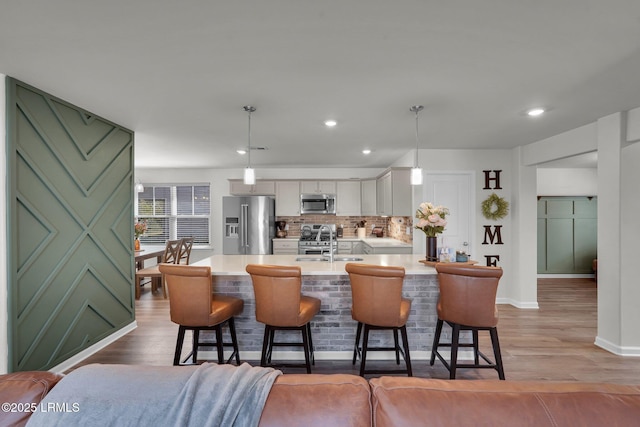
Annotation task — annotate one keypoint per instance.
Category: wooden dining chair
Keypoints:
(170, 256)
(184, 252)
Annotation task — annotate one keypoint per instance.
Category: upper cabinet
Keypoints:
(393, 192)
(287, 198)
(348, 198)
(368, 197)
(318, 187)
(261, 188)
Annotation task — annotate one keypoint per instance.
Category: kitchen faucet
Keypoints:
(330, 240)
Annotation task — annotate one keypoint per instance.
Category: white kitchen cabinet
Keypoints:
(356, 248)
(261, 188)
(366, 249)
(345, 248)
(287, 198)
(368, 197)
(318, 187)
(285, 246)
(348, 198)
(393, 193)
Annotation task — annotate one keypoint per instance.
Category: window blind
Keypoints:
(174, 212)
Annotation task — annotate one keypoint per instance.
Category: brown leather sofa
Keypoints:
(348, 400)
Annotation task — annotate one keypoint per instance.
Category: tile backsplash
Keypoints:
(394, 227)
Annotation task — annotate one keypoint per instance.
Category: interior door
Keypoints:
(454, 191)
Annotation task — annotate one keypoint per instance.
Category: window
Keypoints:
(174, 212)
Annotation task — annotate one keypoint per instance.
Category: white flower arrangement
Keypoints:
(431, 219)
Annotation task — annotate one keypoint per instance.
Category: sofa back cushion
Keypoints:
(21, 391)
(318, 400)
(411, 401)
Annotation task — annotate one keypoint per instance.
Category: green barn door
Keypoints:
(70, 228)
(567, 234)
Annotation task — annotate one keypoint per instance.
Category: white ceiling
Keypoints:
(179, 72)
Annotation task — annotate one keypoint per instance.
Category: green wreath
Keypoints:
(495, 207)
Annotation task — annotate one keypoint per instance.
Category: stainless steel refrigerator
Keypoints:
(249, 225)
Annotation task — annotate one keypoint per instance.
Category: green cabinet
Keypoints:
(567, 234)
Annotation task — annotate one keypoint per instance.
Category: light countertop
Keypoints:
(234, 265)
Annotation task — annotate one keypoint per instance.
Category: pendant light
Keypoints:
(416, 171)
(249, 173)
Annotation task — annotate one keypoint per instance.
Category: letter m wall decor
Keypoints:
(70, 228)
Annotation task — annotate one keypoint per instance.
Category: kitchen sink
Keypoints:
(326, 259)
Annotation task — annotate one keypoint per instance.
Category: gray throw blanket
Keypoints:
(124, 395)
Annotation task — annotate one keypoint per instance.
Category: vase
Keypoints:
(432, 249)
(136, 244)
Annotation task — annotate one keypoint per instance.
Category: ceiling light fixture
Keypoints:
(535, 112)
(330, 123)
(366, 151)
(241, 151)
(249, 173)
(416, 172)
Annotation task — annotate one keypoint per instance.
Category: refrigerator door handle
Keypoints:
(244, 220)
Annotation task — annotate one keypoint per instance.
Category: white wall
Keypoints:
(477, 161)
(567, 182)
(4, 337)
(567, 144)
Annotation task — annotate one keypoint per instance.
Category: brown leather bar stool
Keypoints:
(377, 304)
(468, 303)
(193, 306)
(170, 256)
(281, 306)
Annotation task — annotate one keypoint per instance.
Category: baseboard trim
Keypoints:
(616, 349)
(518, 304)
(566, 276)
(77, 358)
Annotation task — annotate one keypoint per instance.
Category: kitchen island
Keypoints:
(333, 328)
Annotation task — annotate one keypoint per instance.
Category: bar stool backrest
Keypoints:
(277, 292)
(189, 293)
(468, 294)
(376, 293)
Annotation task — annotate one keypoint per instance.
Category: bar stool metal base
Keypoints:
(362, 351)
(477, 354)
(219, 343)
(269, 342)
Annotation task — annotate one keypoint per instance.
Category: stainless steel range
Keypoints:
(317, 239)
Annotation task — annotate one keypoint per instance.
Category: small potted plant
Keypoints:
(139, 229)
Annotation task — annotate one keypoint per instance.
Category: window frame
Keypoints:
(172, 217)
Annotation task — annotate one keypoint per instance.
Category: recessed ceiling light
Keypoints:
(366, 151)
(330, 123)
(241, 151)
(535, 112)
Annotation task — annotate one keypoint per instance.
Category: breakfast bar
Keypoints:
(333, 328)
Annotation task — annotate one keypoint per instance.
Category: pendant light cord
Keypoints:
(249, 109)
(249, 148)
(415, 164)
(416, 109)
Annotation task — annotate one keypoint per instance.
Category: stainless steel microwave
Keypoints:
(318, 204)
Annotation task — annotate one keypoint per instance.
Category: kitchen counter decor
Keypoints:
(431, 220)
(139, 229)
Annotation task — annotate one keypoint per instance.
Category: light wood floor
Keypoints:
(554, 342)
